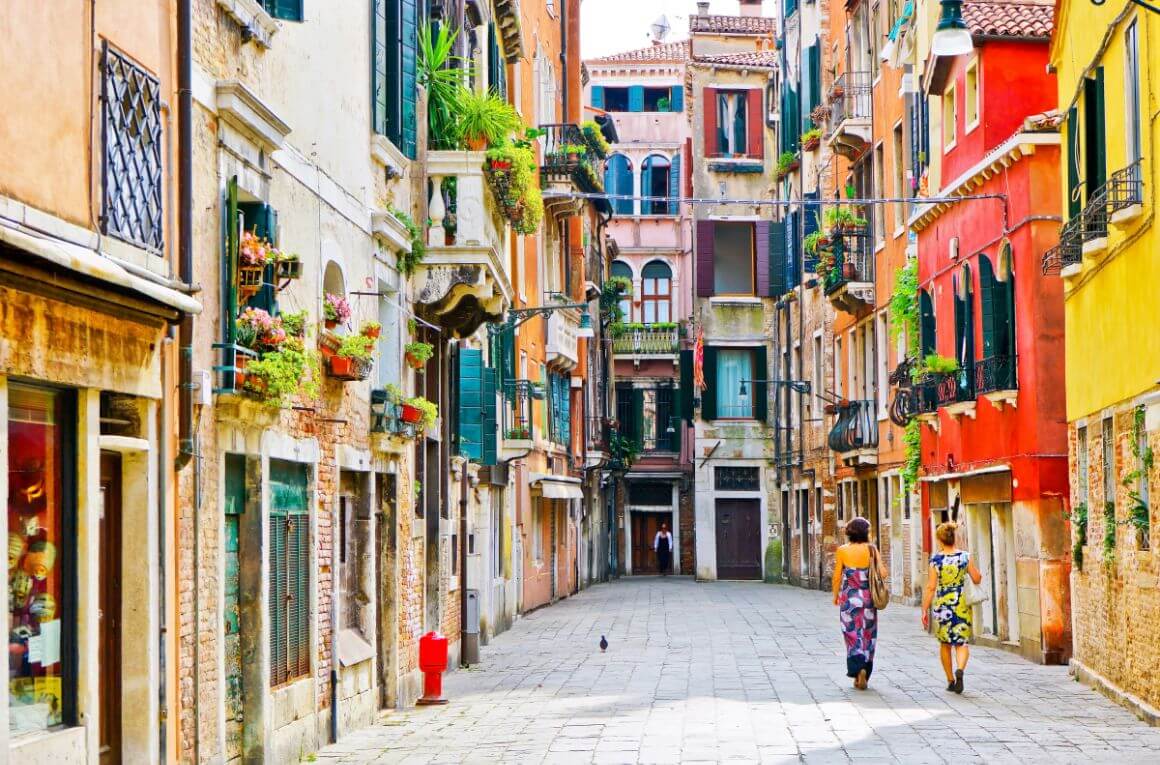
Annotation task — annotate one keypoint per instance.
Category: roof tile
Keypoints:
(998, 18)
(673, 51)
(765, 59)
(743, 25)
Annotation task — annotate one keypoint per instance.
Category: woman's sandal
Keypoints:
(950, 685)
(958, 681)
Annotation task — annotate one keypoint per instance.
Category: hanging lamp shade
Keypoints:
(951, 36)
(585, 328)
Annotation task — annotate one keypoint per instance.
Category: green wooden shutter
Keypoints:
(490, 451)
(230, 266)
(469, 412)
(636, 98)
(277, 595)
(1074, 203)
(637, 427)
(677, 98)
(686, 390)
(401, 35)
(1095, 137)
(926, 341)
(262, 219)
(777, 241)
(379, 44)
(815, 76)
(987, 306)
(289, 572)
(760, 384)
(287, 10)
(1005, 311)
(598, 96)
(709, 395)
(497, 67)
(810, 215)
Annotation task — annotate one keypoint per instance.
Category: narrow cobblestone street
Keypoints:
(741, 672)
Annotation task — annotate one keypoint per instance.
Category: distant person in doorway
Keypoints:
(858, 615)
(663, 547)
(949, 569)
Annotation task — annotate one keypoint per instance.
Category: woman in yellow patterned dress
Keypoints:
(949, 569)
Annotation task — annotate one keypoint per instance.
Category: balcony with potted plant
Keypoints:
(851, 109)
(271, 365)
(570, 164)
(516, 425)
(846, 259)
(656, 340)
(388, 429)
(942, 383)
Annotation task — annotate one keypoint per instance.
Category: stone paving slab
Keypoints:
(742, 672)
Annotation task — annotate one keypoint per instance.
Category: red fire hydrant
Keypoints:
(432, 662)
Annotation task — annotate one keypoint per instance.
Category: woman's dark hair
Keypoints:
(858, 530)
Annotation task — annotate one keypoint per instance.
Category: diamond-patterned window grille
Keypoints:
(131, 166)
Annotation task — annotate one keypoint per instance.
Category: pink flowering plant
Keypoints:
(259, 331)
(336, 308)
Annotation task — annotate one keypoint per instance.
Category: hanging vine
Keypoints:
(1136, 480)
(904, 318)
(1079, 522)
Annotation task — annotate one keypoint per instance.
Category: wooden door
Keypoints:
(738, 539)
(644, 529)
(235, 505)
(110, 609)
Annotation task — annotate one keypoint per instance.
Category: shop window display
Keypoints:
(36, 683)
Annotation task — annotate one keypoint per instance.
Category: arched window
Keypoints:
(618, 181)
(656, 301)
(965, 331)
(654, 182)
(620, 268)
(997, 308)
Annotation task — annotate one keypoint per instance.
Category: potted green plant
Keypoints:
(287, 266)
(484, 119)
(841, 219)
(811, 139)
(280, 375)
(371, 330)
(417, 354)
(352, 359)
(787, 162)
(441, 73)
(419, 412)
(294, 323)
(936, 364)
(594, 137)
(519, 433)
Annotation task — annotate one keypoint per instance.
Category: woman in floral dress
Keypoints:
(949, 568)
(859, 617)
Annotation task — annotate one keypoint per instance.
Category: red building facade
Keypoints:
(993, 434)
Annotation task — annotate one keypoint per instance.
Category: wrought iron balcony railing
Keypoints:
(517, 415)
(386, 416)
(856, 426)
(1093, 219)
(1068, 252)
(851, 97)
(853, 258)
(647, 340)
(1125, 187)
(995, 373)
(567, 156)
(941, 389)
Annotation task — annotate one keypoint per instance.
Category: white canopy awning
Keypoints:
(557, 486)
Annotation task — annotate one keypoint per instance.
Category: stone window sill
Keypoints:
(251, 17)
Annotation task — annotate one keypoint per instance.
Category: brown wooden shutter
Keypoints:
(761, 281)
(710, 118)
(755, 119)
(705, 258)
(688, 163)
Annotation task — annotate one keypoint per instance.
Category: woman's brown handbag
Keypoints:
(879, 589)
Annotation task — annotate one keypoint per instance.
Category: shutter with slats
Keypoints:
(232, 225)
(709, 395)
(987, 303)
(598, 96)
(674, 184)
(760, 384)
(686, 390)
(815, 75)
(792, 250)
(709, 115)
(469, 413)
(671, 420)
(926, 328)
(1095, 138)
(636, 98)
(755, 118)
(1074, 202)
(637, 427)
(299, 617)
(287, 10)
(677, 98)
(379, 43)
(495, 66)
(762, 285)
(289, 572)
(777, 283)
(705, 246)
(409, 44)
(277, 596)
(489, 454)
(810, 217)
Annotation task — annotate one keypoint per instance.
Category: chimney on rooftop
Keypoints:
(750, 7)
(703, 8)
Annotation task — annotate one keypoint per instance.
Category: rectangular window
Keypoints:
(1109, 449)
(900, 187)
(287, 10)
(732, 123)
(1081, 465)
(41, 551)
(817, 377)
(1132, 90)
(796, 372)
(559, 405)
(650, 494)
(949, 116)
(971, 97)
(729, 478)
(289, 582)
(658, 99)
(879, 215)
(735, 383)
(616, 99)
(132, 206)
(733, 259)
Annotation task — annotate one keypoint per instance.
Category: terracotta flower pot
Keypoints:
(372, 334)
(240, 361)
(476, 143)
(501, 164)
(413, 361)
(330, 323)
(340, 366)
(410, 414)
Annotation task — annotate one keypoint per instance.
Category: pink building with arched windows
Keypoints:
(643, 92)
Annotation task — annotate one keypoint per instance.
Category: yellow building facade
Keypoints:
(1107, 60)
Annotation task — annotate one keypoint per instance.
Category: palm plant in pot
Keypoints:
(483, 119)
(440, 72)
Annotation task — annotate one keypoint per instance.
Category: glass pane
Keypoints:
(649, 419)
(35, 684)
(650, 312)
(733, 259)
(735, 383)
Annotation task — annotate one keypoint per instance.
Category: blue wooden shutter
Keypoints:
(490, 453)
(761, 281)
(379, 66)
(677, 98)
(810, 215)
(709, 395)
(469, 412)
(598, 96)
(674, 184)
(287, 10)
(497, 67)
(792, 247)
(777, 242)
(815, 75)
(636, 98)
(760, 384)
(400, 31)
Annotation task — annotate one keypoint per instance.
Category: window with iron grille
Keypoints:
(289, 583)
(737, 479)
(653, 493)
(131, 206)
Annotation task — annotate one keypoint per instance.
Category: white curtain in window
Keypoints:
(733, 368)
